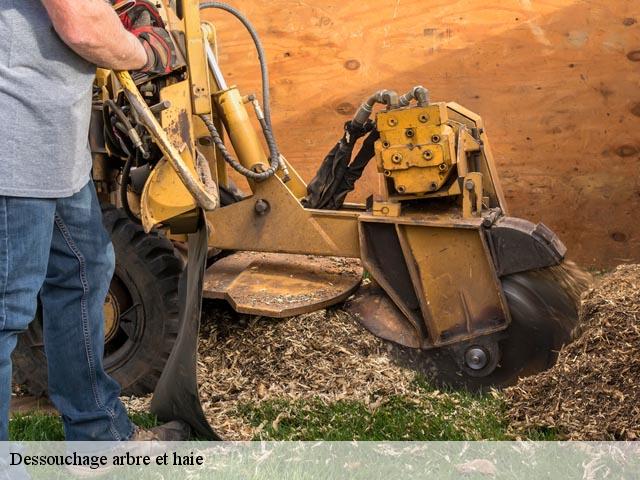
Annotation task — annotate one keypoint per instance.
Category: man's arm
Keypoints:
(93, 30)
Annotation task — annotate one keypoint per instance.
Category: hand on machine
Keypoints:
(141, 17)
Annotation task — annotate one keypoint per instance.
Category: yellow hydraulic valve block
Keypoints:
(416, 150)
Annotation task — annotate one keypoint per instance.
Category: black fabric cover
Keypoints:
(337, 174)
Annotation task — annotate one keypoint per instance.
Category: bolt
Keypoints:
(442, 167)
(410, 132)
(262, 207)
(385, 144)
(423, 118)
(387, 173)
(469, 185)
(396, 158)
(401, 188)
(427, 155)
(433, 186)
(392, 122)
(435, 139)
(476, 358)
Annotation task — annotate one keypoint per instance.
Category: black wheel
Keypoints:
(141, 313)
(544, 316)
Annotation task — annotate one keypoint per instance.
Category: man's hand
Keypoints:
(143, 20)
(93, 30)
(159, 47)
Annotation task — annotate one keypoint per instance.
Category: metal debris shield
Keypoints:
(281, 285)
(176, 396)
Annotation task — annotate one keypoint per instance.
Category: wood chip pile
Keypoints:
(324, 355)
(593, 392)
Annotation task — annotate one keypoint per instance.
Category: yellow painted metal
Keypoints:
(196, 58)
(111, 311)
(102, 77)
(424, 152)
(292, 179)
(279, 285)
(179, 158)
(459, 293)
(285, 226)
(416, 148)
(472, 195)
(206, 146)
(242, 134)
(485, 162)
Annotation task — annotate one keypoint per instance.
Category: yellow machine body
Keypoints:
(436, 238)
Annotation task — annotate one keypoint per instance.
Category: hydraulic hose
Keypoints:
(387, 97)
(264, 70)
(124, 188)
(235, 164)
(264, 119)
(419, 94)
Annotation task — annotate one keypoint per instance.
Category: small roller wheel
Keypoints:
(543, 318)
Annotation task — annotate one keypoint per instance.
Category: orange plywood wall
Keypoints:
(557, 82)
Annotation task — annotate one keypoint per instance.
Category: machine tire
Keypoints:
(146, 285)
(544, 317)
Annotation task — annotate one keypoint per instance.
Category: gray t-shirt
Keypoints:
(45, 106)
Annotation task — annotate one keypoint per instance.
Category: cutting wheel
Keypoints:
(544, 313)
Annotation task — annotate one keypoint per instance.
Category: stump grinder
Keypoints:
(462, 291)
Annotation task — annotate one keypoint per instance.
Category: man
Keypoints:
(51, 235)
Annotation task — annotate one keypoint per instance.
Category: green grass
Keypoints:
(430, 415)
(42, 426)
(427, 415)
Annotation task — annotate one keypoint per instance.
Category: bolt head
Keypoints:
(469, 185)
(476, 358)
(261, 207)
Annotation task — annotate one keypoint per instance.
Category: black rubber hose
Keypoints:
(119, 113)
(124, 199)
(237, 166)
(266, 97)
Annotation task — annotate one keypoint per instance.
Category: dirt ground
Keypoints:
(324, 355)
(593, 392)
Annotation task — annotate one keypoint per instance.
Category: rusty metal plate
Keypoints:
(281, 285)
(377, 313)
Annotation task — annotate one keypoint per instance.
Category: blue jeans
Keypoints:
(59, 248)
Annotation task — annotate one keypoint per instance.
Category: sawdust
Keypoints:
(593, 392)
(324, 355)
